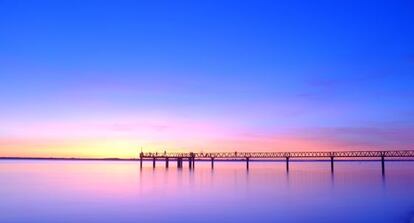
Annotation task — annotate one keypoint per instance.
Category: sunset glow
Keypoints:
(114, 85)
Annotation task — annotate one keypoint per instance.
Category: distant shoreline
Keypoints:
(198, 160)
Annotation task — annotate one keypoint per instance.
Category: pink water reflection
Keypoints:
(98, 191)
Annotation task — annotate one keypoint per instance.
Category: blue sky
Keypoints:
(236, 74)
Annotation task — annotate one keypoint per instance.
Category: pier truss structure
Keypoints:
(248, 156)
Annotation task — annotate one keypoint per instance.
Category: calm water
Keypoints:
(99, 191)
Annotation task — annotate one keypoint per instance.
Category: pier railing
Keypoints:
(270, 155)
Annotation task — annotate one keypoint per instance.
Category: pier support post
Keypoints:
(287, 164)
(332, 164)
(247, 162)
(193, 159)
(212, 162)
(167, 159)
(141, 156)
(190, 163)
(179, 162)
(153, 162)
(383, 165)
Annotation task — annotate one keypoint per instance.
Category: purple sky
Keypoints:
(105, 79)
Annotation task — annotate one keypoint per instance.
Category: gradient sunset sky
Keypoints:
(105, 78)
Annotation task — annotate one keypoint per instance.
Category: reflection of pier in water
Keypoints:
(248, 156)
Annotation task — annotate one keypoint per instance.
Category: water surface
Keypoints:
(119, 191)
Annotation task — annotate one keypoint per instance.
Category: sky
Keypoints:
(112, 78)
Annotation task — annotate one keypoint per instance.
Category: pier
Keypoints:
(246, 157)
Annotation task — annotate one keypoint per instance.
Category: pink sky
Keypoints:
(125, 137)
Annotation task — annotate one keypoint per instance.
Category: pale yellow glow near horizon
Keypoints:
(130, 148)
